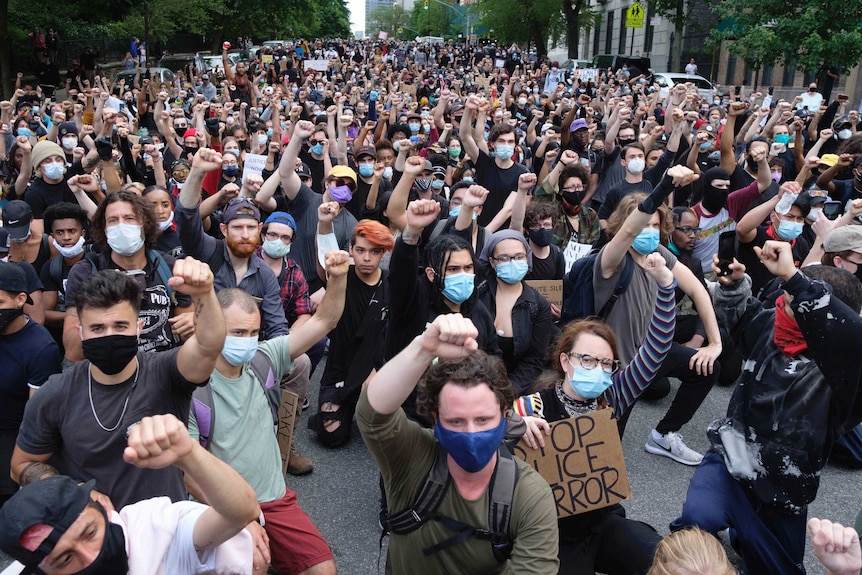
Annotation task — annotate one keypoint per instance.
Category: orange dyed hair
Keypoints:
(374, 232)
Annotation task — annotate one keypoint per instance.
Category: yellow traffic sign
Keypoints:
(635, 16)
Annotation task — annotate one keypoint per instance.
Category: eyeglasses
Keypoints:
(542, 227)
(573, 189)
(272, 236)
(687, 230)
(504, 259)
(315, 142)
(590, 362)
(241, 200)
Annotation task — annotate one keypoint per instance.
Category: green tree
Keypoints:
(334, 18)
(435, 21)
(677, 12)
(523, 21)
(388, 19)
(807, 33)
(159, 20)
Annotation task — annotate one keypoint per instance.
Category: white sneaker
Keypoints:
(671, 445)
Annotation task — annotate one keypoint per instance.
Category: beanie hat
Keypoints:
(44, 150)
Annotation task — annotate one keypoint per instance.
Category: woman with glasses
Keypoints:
(522, 317)
(587, 378)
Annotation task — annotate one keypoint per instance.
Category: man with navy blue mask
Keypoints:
(468, 396)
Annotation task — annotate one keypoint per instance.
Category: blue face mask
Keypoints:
(366, 170)
(453, 213)
(705, 146)
(589, 383)
(239, 350)
(782, 139)
(646, 242)
(505, 152)
(230, 171)
(414, 127)
(512, 271)
(471, 450)
(788, 231)
(468, 179)
(426, 128)
(276, 248)
(269, 132)
(458, 287)
(24, 132)
(317, 149)
(437, 184)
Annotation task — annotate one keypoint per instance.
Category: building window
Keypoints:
(623, 31)
(597, 38)
(789, 73)
(609, 33)
(749, 75)
(731, 70)
(767, 75)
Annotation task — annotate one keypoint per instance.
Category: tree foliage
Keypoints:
(806, 33)
(388, 19)
(432, 22)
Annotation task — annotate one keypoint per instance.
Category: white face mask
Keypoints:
(71, 251)
(69, 144)
(814, 213)
(845, 134)
(125, 239)
(636, 165)
(167, 223)
(262, 139)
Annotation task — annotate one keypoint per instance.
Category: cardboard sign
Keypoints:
(483, 82)
(254, 164)
(499, 63)
(383, 35)
(318, 65)
(583, 463)
(575, 251)
(551, 290)
(286, 420)
(408, 89)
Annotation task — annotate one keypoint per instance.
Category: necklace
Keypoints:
(125, 405)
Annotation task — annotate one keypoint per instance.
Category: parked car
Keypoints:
(667, 80)
(177, 62)
(162, 75)
(275, 44)
(616, 61)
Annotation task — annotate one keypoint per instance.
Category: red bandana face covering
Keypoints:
(788, 337)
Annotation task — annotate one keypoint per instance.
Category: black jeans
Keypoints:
(692, 391)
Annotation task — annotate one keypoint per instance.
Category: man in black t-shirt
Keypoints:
(83, 415)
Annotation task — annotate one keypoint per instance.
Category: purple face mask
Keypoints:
(340, 194)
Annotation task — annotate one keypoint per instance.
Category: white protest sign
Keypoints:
(254, 164)
(318, 65)
(575, 251)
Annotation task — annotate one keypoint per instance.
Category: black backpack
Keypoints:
(578, 295)
(431, 495)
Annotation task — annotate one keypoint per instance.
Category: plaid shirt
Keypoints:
(294, 290)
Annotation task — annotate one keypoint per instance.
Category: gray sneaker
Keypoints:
(671, 445)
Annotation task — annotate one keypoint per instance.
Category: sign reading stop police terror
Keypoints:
(583, 463)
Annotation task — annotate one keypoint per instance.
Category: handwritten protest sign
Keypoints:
(551, 290)
(583, 463)
(575, 251)
(319, 65)
(266, 59)
(254, 164)
(286, 420)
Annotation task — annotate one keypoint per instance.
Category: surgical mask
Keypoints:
(472, 451)
(262, 139)
(111, 353)
(437, 184)
(69, 143)
(54, 170)
(646, 242)
(340, 194)
(457, 288)
(414, 126)
(782, 139)
(230, 171)
(276, 248)
(160, 146)
(387, 172)
(239, 350)
(635, 165)
(814, 213)
(125, 239)
(842, 134)
(505, 152)
(789, 231)
(366, 170)
(453, 213)
(317, 149)
(512, 271)
(455, 153)
(705, 146)
(71, 251)
(167, 223)
(233, 151)
(7, 316)
(229, 121)
(396, 145)
(522, 101)
(468, 179)
(541, 237)
(776, 176)
(24, 132)
(589, 383)
(269, 132)
(426, 128)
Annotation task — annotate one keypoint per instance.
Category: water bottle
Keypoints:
(785, 203)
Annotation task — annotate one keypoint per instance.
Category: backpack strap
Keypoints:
(438, 229)
(265, 374)
(428, 500)
(620, 289)
(202, 406)
(165, 274)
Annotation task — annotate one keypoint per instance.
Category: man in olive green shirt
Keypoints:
(467, 394)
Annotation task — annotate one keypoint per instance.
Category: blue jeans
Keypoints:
(768, 541)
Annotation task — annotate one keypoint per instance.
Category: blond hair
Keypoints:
(690, 552)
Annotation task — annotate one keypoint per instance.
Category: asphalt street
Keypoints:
(342, 494)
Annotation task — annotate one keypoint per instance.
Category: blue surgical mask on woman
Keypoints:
(471, 450)
(789, 231)
(589, 383)
(458, 288)
(512, 271)
(646, 242)
(239, 350)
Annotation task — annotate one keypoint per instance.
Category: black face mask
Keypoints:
(623, 143)
(714, 199)
(110, 353)
(180, 131)
(573, 198)
(7, 316)
(190, 151)
(541, 237)
(112, 558)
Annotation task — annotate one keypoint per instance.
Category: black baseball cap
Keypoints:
(54, 501)
(14, 280)
(303, 171)
(17, 216)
